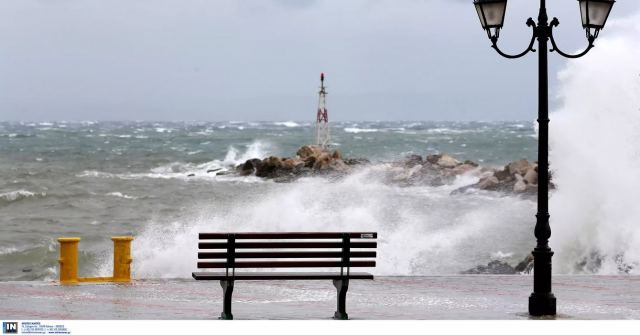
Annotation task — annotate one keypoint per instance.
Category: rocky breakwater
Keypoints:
(520, 177)
(309, 160)
(498, 267)
(433, 170)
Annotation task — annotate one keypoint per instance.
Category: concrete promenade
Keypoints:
(419, 298)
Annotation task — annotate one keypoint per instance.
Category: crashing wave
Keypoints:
(14, 196)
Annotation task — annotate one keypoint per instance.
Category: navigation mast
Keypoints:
(322, 120)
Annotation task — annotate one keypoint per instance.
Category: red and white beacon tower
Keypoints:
(322, 120)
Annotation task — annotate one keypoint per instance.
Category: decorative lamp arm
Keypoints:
(590, 38)
(530, 23)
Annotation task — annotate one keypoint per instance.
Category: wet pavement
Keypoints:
(405, 298)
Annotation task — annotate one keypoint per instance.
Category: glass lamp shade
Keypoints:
(491, 12)
(595, 12)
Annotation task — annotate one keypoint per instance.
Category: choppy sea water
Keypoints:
(98, 179)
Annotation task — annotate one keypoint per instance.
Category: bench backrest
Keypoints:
(232, 251)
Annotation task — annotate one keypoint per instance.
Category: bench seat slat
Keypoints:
(285, 245)
(293, 235)
(284, 264)
(287, 254)
(281, 276)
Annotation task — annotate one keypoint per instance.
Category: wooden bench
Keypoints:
(290, 250)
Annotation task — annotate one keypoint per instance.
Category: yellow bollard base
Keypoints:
(95, 280)
(69, 261)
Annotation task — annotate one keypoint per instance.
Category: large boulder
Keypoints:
(519, 167)
(526, 266)
(249, 167)
(356, 161)
(488, 183)
(472, 163)
(520, 185)
(433, 159)
(503, 175)
(463, 168)
(307, 151)
(531, 177)
(269, 167)
(292, 163)
(338, 165)
(413, 160)
(322, 161)
(310, 161)
(494, 267)
(336, 154)
(447, 161)
(401, 174)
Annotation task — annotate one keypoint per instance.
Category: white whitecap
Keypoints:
(288, 124)
(120, 195)
(360, 130)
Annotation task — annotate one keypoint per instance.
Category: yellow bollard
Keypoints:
(122, 258)
(68, 260)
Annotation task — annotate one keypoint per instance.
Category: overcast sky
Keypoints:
(261, 59)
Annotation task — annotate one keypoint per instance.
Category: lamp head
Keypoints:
(491, 14)
(594, 14)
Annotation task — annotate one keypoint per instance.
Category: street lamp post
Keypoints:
(594, 15)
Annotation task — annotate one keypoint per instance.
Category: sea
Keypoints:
(161, 183)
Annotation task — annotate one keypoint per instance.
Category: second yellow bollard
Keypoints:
(122, 258)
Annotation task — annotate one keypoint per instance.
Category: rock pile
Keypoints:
(497, 267)
(516, 177)
(433, 170)
(520, 177)
(310, 159)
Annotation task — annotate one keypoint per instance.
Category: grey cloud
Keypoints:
(260, 60)
(296, 3)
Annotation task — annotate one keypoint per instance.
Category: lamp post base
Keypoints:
(542, 304)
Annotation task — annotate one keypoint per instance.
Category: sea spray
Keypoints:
(77, 180)
(422, 230)
(9, 197)
(182, 170)
(256, 149)
(595, 157)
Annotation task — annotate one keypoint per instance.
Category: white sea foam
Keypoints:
(17, 195)
(182, 170)
(288, 124)
(444, 130)
(120, 195)
(595, 142)
(7, 250)
(501, 255)
(256, 149)
(360, 130)
(422, 230)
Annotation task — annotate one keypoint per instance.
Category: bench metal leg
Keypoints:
(227, 291)
(342, 285)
